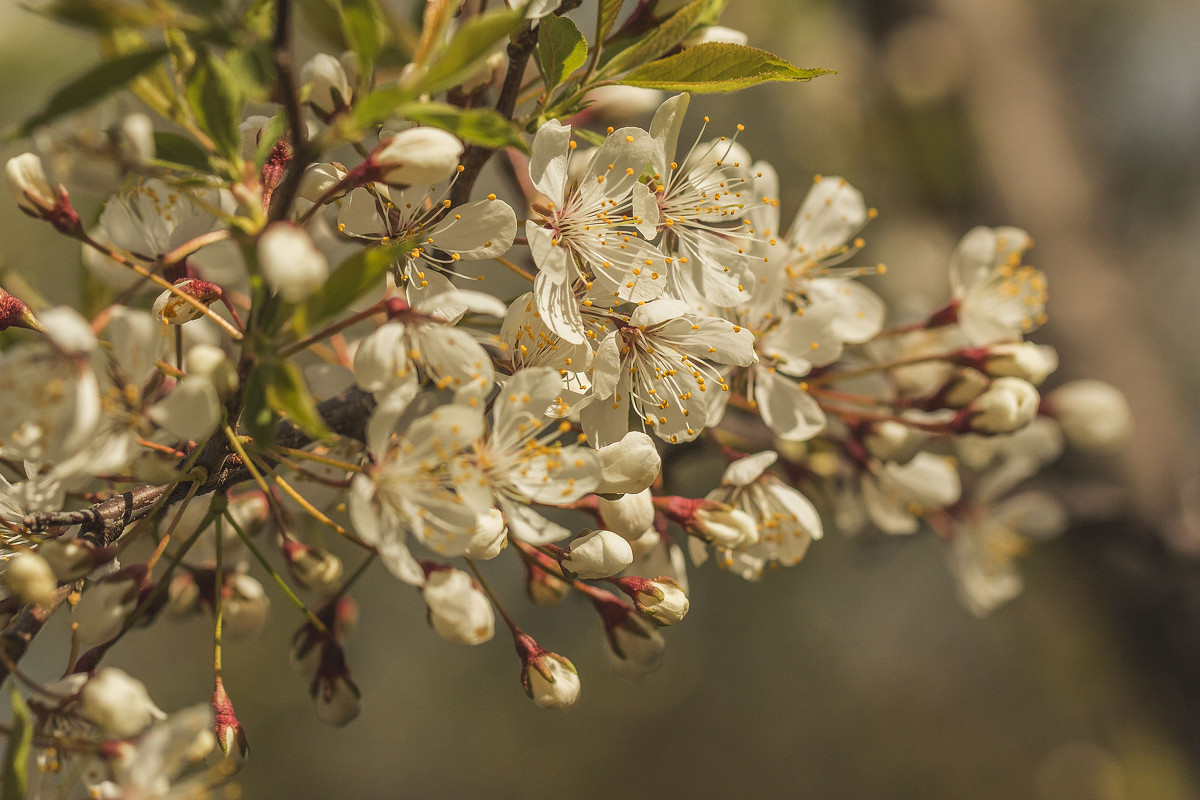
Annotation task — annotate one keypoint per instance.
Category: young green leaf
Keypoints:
(470, 47)
(379, 105)
(16, 760)
(288, 395)
(258, 420)
(353, 278)
(360, 26)
(481, 126)
(215, 99)
(179, 152)
(95, 84)
(561, 49)
(717, 67)
(606, 17)
(664, 36)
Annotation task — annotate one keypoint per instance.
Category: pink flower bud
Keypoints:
(232, 747)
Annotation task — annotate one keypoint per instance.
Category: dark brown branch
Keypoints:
(102, 523)
(285, 89)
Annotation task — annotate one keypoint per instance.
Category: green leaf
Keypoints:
(470, 47)
(16, 760)
(98, 14)
(561, 49)
(288, 395)
(258, 419)
(361, 28)
(666, 35)
(606, 17)
(481, 126)
(379, 105)
(717, 67)
(98, 82)
(353, 278)
(179, 152)
(215, 99)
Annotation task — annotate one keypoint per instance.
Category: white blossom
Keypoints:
(458, 610)
(1094, 415)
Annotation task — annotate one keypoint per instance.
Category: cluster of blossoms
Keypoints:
(240, 401)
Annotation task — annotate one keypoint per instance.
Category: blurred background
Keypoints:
(855, 674)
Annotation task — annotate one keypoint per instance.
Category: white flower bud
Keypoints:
(726, 527)
(191, 411)
(319, 179)
(69, 559)
(135, 138)
(244, 608)
(663, 600)
(291, 265)
(318, 570)
(103, 609)
(458, 610)
(635, 646)
(629, 465)
(597, 554)
(183, 596)
(893, 441)
(30, 577)
(339, 701)
(26, 179)
(964, 386)
(630, 514)
(418, 156)
(331, 89)
(624, 103)
(1026, 360)
(551, 681)
(490, 536)
(1008, 405)
(1094, 415)
(118, 703)
(210, 362)
(646, 544)
(544, 589)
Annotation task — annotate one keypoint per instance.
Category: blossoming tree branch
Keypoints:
(317, 337)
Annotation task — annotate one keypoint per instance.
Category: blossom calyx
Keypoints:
(416, 156)
(595, 554)
(16, 313)
(30, 577)
(550, 680)
(661, 599)
(232, 747)
(26, 179)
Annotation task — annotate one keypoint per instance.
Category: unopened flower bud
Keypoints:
(629, 515)
(458, 610)
(892, 441)
(291, 265)
(662, 598)
(319, 180)
(330, 88)
(190, 411)
(635, 646)
(1025, 360)
(549, 679)
(543, 588)
(1008, 405)
(231, 748)
(716, 33)
(106, 604)
(16, 313)
(1094, 415)
(645, 544)
(596, 554)
(210, 362)
(725, 526)
(30, 577)
(417, 156)
(183, 596)
(490, 536)
(174, 310)
(963, 386)
(630, 465)
(117, 703)
(315, 569)
(70, 559)
(244, 607)
(26, 179)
